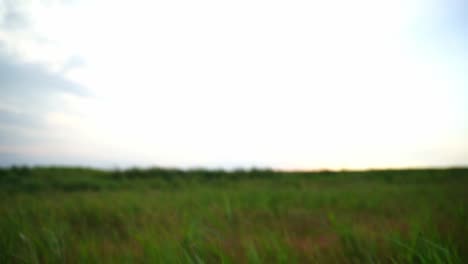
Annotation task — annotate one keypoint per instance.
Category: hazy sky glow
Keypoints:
(281, 84)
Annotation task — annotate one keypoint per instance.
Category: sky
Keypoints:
(234, 84)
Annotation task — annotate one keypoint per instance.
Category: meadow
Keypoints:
(81, 215)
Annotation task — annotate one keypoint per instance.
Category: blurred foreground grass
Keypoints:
(76, 215)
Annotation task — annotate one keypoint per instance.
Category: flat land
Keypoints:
(77, 215)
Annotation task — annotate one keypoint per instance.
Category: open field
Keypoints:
(73, 215)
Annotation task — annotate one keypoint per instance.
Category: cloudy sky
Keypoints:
(283, 84)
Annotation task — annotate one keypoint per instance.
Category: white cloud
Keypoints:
(278, 83)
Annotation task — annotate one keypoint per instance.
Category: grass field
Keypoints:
(75, 215)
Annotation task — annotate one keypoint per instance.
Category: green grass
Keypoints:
(77, 215)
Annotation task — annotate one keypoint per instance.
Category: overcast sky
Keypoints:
(281, 84)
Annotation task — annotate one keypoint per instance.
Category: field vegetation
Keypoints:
(80, 215)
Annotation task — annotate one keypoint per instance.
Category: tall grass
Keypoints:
(76, 215)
